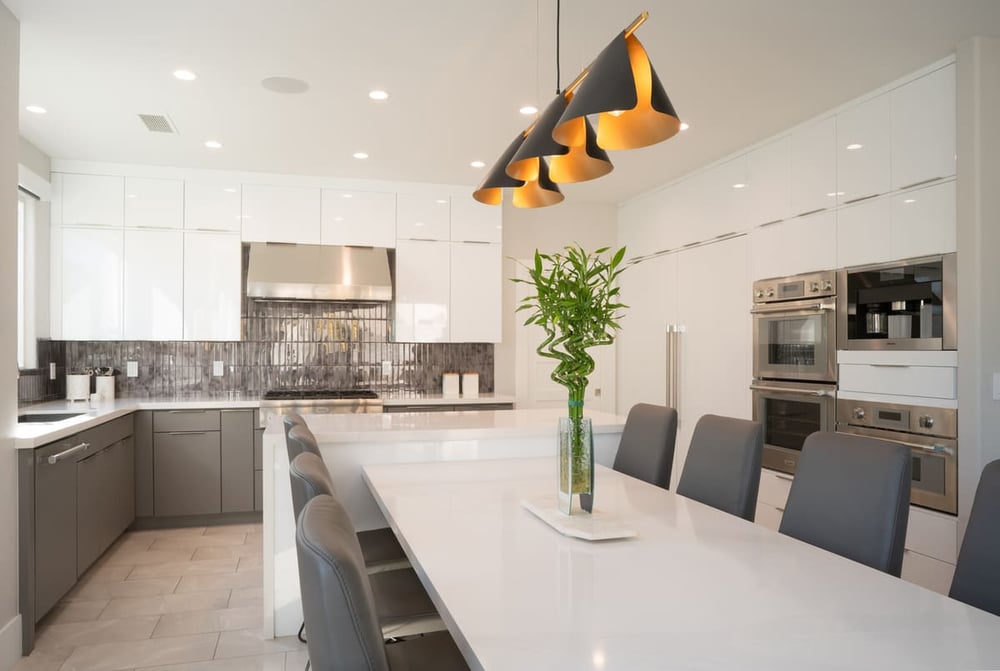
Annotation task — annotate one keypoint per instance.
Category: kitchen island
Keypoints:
(350, 442)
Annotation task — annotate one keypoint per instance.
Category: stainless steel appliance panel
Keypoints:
(789, 412)
(795, 341)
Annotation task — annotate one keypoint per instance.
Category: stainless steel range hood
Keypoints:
(315, 272)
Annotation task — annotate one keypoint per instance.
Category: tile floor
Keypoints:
(167, 600)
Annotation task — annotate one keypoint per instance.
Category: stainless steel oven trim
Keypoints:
(783, 459)
(808, 308)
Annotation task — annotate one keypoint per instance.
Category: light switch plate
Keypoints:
(131, 369)
(217, 369)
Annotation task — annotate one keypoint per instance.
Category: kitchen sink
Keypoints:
(44, 417)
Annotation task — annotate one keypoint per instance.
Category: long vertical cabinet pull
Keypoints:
(673, 366)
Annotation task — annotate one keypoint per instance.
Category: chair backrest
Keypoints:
(851, 496)
(290, 419)
(722, 468)
(337, 601)
(977, 573)
(309, 479)
(646, 449)
(298, 440)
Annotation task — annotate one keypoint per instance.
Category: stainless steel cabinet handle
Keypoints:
(186, 433)
(787, 478)
(789, 390)
(187, 412)
(66, 454)
(673, 366)
(889, 365)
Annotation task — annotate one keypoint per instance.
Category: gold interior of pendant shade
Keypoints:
(642, 125)
(490, 191)
(538, 191)
(585, 159)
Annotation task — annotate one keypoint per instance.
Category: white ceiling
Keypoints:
(457, 72)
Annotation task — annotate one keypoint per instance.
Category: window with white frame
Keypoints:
(27, 349)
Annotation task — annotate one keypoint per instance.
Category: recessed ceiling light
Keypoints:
(378, 94)
(685, 125)
(346, 195)
(853, 147)
(835, 193)
(338, 218)
(213, 144)
(360, 154)
(230, 190)
(910, 200)
(185, 75)
(528, 110)
(285, 85)
(36, 109)
(130, 195)
(478, 164)
(419, 223)
(441, 201)
(739, 185)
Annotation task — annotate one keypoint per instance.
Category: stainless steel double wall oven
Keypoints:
(794, 362)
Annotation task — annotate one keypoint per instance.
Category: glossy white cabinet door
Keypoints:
(212, 206)
(799, 245)
(423, 216)
(212, 286)
(154, 203)
(93, 200)
(471, 221)
(423, 291)
(923, 129)
(476, 292)
(814, 166)
(864, 233)
(725, 199)
(92, 284)
(281, 214)
(154, 285)
(364, 218)
(684, 216)
(924, 221)
(863, 156)
(769, 182)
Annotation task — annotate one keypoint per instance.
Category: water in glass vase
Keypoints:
(576, 464)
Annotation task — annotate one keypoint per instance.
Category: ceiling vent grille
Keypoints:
(157, 123)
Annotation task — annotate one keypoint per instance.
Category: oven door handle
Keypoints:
(774, 309)
(935, 449)
(791, 390)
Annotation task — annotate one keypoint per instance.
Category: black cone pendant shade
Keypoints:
(623, 89)
(537, 190)
(578, 160)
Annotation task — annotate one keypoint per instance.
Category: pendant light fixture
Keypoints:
(536, 189)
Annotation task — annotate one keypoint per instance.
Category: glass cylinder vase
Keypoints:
(576, 464)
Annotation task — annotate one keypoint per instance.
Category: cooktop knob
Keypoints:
(769, 293)
(926, 422)
(859, 413)
(759, 294)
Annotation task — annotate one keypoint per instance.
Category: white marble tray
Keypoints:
(597, 526)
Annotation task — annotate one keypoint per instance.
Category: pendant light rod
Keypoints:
(632, 27)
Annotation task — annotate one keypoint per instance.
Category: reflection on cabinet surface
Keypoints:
(281, 214)
(212, 286)
(154, 285)
(91, 283)
(88, 200)
(154, 203)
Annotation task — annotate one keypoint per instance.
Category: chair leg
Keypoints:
(301, 637)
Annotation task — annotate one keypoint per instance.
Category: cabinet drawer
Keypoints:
(768, 516)
(901, 380)
(932, 534)
(927, 572)
(774, 488)
(187, 473)
(108, 433)
(186, 420)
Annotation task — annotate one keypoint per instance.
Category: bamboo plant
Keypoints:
(576, 303)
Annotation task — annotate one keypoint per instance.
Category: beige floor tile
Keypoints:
(75, 634)
(228, 619)
(296, 661)
(233, 529)
(250, 596)
(194, 542)
(125, 589)
(200, 583)
(272, 662)
(228, 552)
(75, 611)
(154, 534)
(170, 603)
(250, 563)
(142, 558)
(42, 660)
(252, 642)
(132, 654)
(101, 572)
(181, 568)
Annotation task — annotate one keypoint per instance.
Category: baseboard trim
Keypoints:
(143, 523)
(10, 643)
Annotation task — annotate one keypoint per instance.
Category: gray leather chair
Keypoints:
(299, 439)
(646, 450)
(290, 419)
(977, 572)
(339, 601)
(722, 468)
(851, 496)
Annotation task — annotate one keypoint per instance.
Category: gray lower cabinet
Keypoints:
(258, 468)
(187, 473)
(237, 460)
(54, 567)
(105, 483)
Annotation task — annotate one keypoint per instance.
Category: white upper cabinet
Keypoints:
(212, 206)
(769, 181)
(423, 216)
(423, 291)
(799, 245)
(154, 285)
(924, 221)
(212, 286)
(864, 233)
(863, 155)
(923, 129)
(682, 216)
(725, 197)
(281, 214)
(814, 167)
(476, 292)
(91, 284)
(93, 200)
(154, 203)
(363, 218)
(471, 221)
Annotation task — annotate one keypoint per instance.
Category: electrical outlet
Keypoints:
(52, 370)
(131, 369)
(217, 369)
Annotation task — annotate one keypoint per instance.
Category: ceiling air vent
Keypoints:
(157, 123)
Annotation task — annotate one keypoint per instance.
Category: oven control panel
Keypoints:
(914, 419)
(798, 287)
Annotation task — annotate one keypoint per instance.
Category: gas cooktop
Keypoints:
(317, 394)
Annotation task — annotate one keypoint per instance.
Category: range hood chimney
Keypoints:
(318, 273)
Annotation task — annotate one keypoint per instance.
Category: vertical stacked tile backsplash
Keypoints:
(285, 344)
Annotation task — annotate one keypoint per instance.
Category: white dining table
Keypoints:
(696, 588)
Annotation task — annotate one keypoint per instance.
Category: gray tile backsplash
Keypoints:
(284, 344)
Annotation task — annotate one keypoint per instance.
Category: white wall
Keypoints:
(978, 91)
(34, 174)
(34, 159)
(547, 229)
(10, 629)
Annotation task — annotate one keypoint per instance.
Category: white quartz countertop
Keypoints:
(448, 426)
